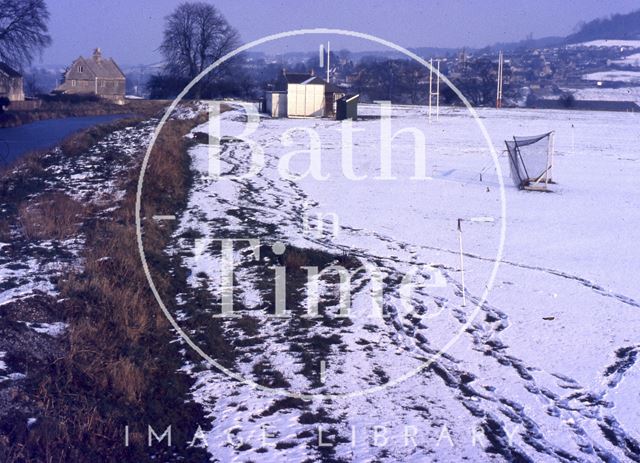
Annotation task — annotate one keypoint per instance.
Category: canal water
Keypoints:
(16, 141)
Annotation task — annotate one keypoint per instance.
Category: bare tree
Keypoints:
(23, 30)
(195, 36)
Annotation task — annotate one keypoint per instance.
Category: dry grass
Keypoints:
(295, 259)
(5, 230)
(51, 216)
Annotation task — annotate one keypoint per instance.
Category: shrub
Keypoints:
(567, 100)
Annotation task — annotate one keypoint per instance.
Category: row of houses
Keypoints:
(95, 75)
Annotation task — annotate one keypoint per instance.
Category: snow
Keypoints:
(632, 77)
(609, 43)
(610, 94)
(533, 362)
(629, 60)
(51, 329)
(26, 277)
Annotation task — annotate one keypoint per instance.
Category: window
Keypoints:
(103, 83)
(80, 68)
(73, 83)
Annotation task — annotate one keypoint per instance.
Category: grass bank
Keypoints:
(59, 109)
(117, 368)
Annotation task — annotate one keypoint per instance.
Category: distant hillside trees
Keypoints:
(195, 36)
(618, 26)
(23, 30)
(397, 80)
(477, 81)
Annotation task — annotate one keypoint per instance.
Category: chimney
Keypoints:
(97, 54)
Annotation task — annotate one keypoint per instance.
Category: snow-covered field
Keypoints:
(610, 94)
(632, 77)
(609, 43)
(632, 60)
(543, 371)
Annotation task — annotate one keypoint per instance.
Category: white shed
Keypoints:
(276, 104)
(302, 95)
(306, 99)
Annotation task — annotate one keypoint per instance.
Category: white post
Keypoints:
(552, 147)
(328, 59)
(464, 296)
(438, 93)
(500, 72)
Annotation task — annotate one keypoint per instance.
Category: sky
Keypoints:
(130, 31)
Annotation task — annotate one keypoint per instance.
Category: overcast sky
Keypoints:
(131, 30)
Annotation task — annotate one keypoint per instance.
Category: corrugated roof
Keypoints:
(8, 70)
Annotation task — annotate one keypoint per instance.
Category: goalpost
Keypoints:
(531, 161)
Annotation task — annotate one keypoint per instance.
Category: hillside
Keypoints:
(618, 26)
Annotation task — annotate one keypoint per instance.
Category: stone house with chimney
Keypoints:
(95, 76)
(11, 83)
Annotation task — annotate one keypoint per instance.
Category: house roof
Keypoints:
(101, 67)
(8, 70)
(295, 77)
(306, 79)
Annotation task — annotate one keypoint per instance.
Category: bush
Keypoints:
(69, 98)
(567, 100)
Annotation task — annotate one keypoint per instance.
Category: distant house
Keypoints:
(95, 76)
(302, 95)
(11, 83)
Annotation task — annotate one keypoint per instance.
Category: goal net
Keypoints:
(531, 161)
